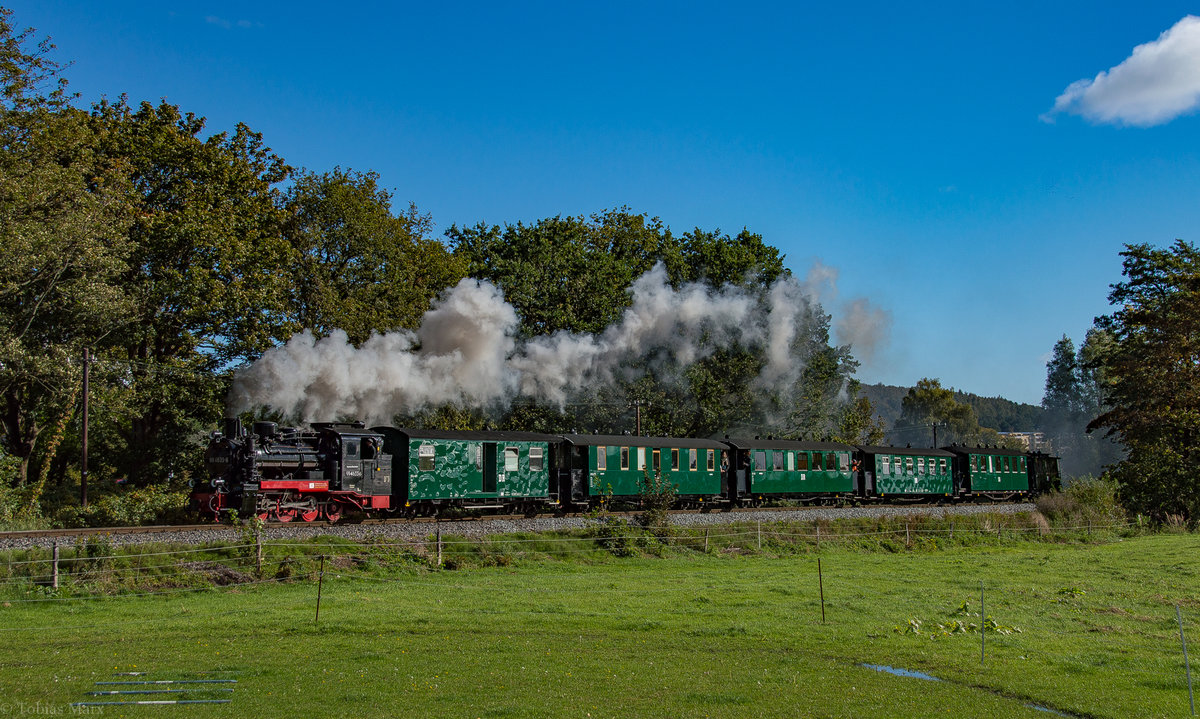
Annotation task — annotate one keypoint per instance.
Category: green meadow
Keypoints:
(1086, 629)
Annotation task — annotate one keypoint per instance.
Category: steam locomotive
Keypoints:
(330, 469)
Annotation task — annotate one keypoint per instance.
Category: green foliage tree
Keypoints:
(1071, 401)
(565, 273)
(361, 268)
(1150, 379)
(574, 274)
(929, 403)
(62, 247)
(206, 271)
(718, 259)
(857, 422)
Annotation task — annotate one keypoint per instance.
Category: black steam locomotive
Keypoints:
(289, 473)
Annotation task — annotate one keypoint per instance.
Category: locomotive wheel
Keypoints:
(332, 511)
(285, 515)
(309, 509)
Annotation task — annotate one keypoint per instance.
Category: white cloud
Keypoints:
(1157, 83)
(230, 24)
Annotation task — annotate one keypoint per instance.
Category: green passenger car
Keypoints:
(990, 470)
(616, 465)
(469, 469)
(775, 468)
(908, 471)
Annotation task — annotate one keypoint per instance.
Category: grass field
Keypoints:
(1093, 633)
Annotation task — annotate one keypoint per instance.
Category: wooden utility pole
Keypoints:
(83, 459)
(637, 405)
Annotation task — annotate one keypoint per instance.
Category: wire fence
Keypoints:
(94, 569)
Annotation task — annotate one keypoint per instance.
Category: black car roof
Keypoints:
(738, 443)
(1003, 451)
(907, 451)
(626, 440)
(479, 436)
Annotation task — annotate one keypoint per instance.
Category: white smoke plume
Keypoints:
(864, 327)
(466, 352)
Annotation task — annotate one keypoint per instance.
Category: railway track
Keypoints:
(367, 522)
(160, 529)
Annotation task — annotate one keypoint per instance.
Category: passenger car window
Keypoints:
(602, 458)
(425, 455)
(511, 457)
(535, 458)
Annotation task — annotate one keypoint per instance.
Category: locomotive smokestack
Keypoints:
(233, 427)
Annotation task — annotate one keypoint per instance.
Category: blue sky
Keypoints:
(916, 149)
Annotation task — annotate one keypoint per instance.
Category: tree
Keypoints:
(1063, 391)
(857, 422)
(207, 272)
(574, 274)
(361, 269)
(61, 245)
(1072, 400)
(927, 404)
(718, 259)
(1150, 379)
(565, 273)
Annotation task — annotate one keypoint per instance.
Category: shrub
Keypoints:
(148, 505)
(658, 496)
(1084, 501)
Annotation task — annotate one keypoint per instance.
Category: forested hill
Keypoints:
(997, 413)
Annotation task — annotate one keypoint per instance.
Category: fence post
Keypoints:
(951, 530)
(54, 570)
(760, 535)
(821, 584)
(706, 540)
(258, 554)
(320, 585)
(999, 530)
(818, 537)
(907, 537)
(1187, 667)
(439, 546)
(982, 624)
